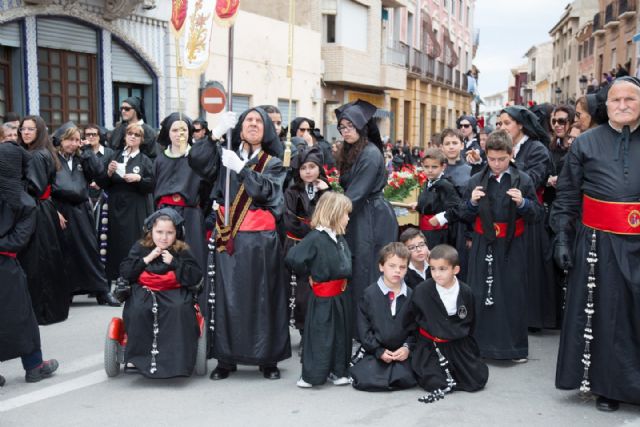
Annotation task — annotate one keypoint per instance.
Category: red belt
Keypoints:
(256, 220)
(293, 236)
(172, 200)
(428, 336)
(159, 282)
(331, 288)
(612, 217)
(46, 194)
(9, 254)
(425, 225)
(501, 228)
(540, 194)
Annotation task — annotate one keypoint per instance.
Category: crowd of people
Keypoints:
(219, 224)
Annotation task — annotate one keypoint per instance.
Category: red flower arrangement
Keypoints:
(401, 183)
(333, 176)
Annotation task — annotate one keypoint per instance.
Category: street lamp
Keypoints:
(583, 83)
(558, 94)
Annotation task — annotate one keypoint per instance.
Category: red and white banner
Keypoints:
(195, 42)
(178, 15)
(226, 11)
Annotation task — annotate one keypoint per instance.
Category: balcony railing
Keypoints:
(395, 56)
(448, 75)
(431, 67)
(440, 71)
(610, 15)
(456, 81)
(418, 62)
(597, 22)
(626, 8)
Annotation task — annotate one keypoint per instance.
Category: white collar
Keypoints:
(631, 128)
(171, 155)
(423, 273)
(130, 156)
(507, 172)
(140, 122)
(448, 291)
(101, 149)
(516, 147)
(430, 183)
(329, 231)
(245, 155)
(385, 289)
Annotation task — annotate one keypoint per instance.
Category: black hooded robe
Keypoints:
(149, 145)
(501, 329)
(460, 173)
(440, 197)
(594, 167)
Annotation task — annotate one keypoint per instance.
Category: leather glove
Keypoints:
(562, 251)
(227, 121)
(231, 160)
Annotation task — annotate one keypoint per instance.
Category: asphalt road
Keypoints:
(80, 394)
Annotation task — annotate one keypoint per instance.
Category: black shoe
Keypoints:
(45, 370)
(271, 373)
(606, 405)
(107, 298)
(221, 373)
(2, 380)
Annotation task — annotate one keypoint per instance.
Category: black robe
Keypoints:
(440, 197)
(501, 329)
(465, 365)
(106, 158)
(42, 259)
(595, 167)
(149, 146)
(178, 329)
(70, 194)
(128, 206)
(372, 222)
(19, 333)
(327, 331)
(459, 173)
(413, 279)
(251, 323)
(543, 292)
(379, 330)
(175, 176)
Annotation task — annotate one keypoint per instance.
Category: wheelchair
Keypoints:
(116, 337)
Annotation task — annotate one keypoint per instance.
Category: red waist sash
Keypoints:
(540, 194)
(47, 193)
(612, 217)
(159, 282)
(331, 288)
(428, 336)
(425, 225)
(172, 200)
(501, 228)
(292, 236)
(9, 254)
(256, 220)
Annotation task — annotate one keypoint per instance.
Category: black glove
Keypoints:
(562, 251)
(122, 290)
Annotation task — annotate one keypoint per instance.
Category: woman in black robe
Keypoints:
(250, 309)
(128, 182)
(160, 313)
(177, 185)
(70, 193)
(19, 333)
(363, 176)
(42, 258)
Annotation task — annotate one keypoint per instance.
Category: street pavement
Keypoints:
(80, 394)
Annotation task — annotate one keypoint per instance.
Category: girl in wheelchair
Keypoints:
(161, 317)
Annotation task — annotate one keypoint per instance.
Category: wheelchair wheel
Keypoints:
(201, 355)
(111, 363)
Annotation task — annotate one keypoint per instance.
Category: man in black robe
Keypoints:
(597, 202)
(132, 111)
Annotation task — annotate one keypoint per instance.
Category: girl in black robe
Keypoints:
(249, 321)
(70, 194)
(42, 258)
(300, 201)
(128, 192)
(19, 333)
(161, 311)
(324, 256)
(363, 176)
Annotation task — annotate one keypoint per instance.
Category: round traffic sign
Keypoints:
(213, 100)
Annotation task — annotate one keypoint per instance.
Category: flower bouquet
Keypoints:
(402, 190)
(333, 176)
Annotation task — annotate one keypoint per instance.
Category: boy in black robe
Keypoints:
(446, 356)
(418, 269)
(500, 202)
(386, 328)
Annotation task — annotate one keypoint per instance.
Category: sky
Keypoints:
(507, 30)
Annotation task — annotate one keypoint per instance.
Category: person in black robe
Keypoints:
(363, 177)
(532, 157)
(300, 199)
(177, 185)
(446, 357)
(385, 322)
(132, 111)
(324, 256)
(595, 218)
(19, 333)
(42, 258)
(246, 274)
(418, 268)
(472, 152)
(70, 194)
(161, 313)
(501, 208)
(128, 183)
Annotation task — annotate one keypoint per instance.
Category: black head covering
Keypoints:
(597, 105)
(270, 141)
(57, 135)
(530, 125)
(295, 124)
(163, 136)
(543, 113)
(136, 104)
(308, 154)
(175, 217)
(360, 114)
(318, 135)
(14, 161)
(471, 119)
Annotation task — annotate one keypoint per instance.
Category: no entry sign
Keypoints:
(213, 100)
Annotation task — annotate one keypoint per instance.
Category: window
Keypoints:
(579, 52)
(591, 46)
(352, 25)
(410, 29)
(453, 7)
(283, 106)
(241, 103)
(329, 28)
(67, 87)
(460, 11)
(5, 83)
(466, 19)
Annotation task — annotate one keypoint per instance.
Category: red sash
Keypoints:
(172, 200)
(501, 228)
(256, 220)
(428, 336)
(540, 194)
(426, 226)
(9, 254)
(331, 288)
(159, 282)
(47, 193)
(612, 217)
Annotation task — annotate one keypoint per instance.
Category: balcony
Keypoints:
(440, 71)
(626, 9)
(431, 67)
(394, 3)
(598, 29)
(395, 55)
(448, 75)
(610, 16)
(456, 81)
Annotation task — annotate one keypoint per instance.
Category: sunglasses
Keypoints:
(90, 135)
(127, 109)
(464, 125)
(197, 130)
(137, 135)
(560, 121)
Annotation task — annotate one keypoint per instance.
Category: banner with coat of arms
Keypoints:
(196, 38)
(226, 11)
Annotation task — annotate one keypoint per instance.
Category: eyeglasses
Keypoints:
(127, 109)
(561, 121)
(348, 127)
(198, 130)
(90, 135)
(137, 135)
(498, 124)
(464, 125)
(26, 129)
(417, 247)
(305, 129)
